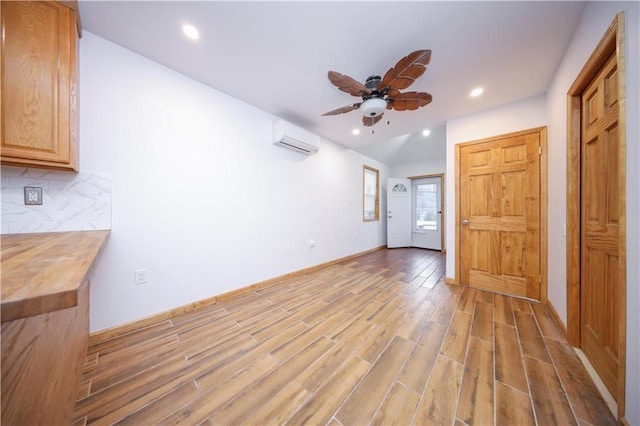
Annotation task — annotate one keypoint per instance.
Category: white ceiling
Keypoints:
(275, 56)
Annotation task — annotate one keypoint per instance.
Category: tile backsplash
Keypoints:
(71, 202)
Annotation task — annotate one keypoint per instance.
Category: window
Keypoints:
(426, 207)
(370, 189)
(399, 188)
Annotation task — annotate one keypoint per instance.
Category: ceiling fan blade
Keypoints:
(406, 71)
(348, 84)
(370, 121)
(410, 101)
(343, 109)
(393, 92)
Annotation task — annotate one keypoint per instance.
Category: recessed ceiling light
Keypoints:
(426, 132)
(476, 92)
(191, 31)
(356, 131)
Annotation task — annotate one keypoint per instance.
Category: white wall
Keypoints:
(201, 198)
(595, 20)
(417, 169)
(514, 117)
(435, 144)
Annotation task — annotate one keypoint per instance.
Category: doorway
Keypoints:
(415, 211)
(427, 212)
(596, 212)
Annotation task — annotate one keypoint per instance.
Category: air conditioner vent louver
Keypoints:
(286, 135)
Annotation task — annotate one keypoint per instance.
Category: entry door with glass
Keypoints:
(426, 209)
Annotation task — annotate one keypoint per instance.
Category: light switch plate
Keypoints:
(32, 196)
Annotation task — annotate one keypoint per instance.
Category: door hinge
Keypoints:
(539, 150)
(539, 279)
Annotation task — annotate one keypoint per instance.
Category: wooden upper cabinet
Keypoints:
(38, 69)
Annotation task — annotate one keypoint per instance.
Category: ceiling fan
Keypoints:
(383, 93)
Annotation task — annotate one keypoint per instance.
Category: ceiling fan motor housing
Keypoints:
(372, 82)
(374, 104)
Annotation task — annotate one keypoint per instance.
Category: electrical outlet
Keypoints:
(141, 276)
(32, 196)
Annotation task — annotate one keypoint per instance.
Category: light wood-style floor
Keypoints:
(378, 339)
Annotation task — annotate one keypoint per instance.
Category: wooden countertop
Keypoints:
(43, 272)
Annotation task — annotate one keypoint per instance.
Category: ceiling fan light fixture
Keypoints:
(373, 107)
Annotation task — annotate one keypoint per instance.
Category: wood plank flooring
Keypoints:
(379, 339)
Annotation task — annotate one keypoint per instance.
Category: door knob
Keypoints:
(465, 222)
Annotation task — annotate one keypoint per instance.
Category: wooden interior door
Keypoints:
(499, 205)
(599, 202)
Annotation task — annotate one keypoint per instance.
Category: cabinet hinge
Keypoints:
(539, 150)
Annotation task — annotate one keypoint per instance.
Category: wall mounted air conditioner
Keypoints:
(288, 136)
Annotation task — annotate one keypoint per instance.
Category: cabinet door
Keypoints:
(42, 360)
(38, 83)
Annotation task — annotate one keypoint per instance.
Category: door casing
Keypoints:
(612, 41)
